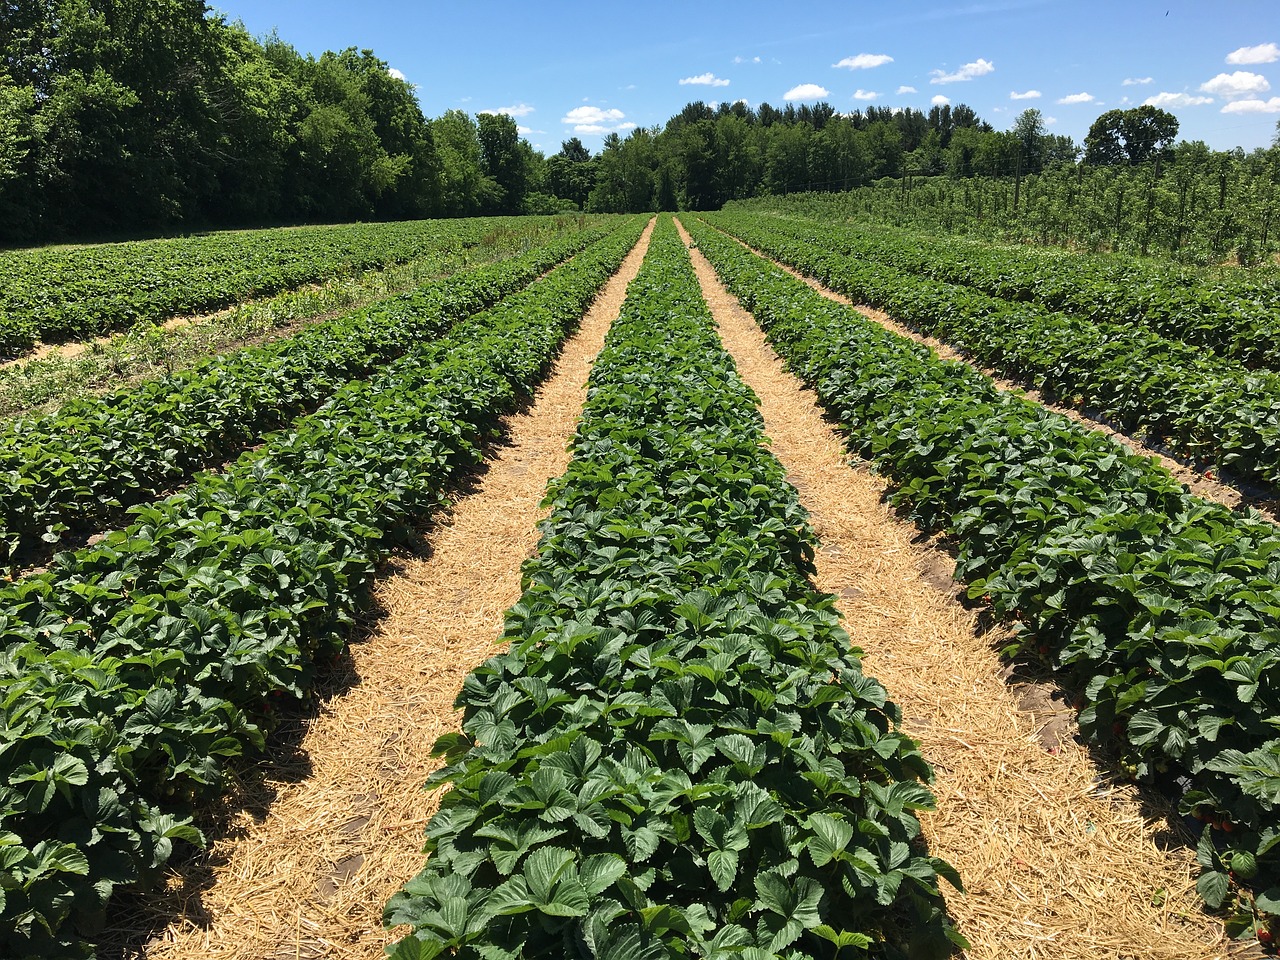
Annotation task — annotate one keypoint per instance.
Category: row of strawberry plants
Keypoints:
(1233, 314)
(78, 292)
(76, 469)
(135, 670)
(1161, 609)
(679, 755)
(1204, 408)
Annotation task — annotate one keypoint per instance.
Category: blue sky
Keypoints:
(575, 68)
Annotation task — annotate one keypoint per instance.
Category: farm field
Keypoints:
(73, 293)
(70, 471)
(1230, 311)
(1215, 412)
(41, 380)
(739, 705)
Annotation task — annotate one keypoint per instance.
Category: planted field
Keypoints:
(1023, 812)
(1212, 411)
(55, 373)
(68, 472)
(1233, 313)
(134, 669)
(1156, 608)
(678, 752)
(79, 292)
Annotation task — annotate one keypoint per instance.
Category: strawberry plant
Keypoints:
(135, 670)
(1201, 407)
(56, 294)
(1160, 608)
(679, 755)
(79, 468)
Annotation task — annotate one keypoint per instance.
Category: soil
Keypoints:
(1059, 861)
(308, 875)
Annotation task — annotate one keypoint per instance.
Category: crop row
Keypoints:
(679, 754)
(81, 466)
(1161, 609)
(1202, 407)
(134, 670)
(1234, 313)
(79, 292)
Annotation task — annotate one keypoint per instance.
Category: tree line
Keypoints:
(126, 116)
(121, 116)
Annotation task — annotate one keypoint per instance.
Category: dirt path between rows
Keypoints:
(1058, 862)
(1198, 483)
(312, 877)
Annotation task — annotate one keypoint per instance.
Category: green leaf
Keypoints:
(1213, 886)
(723, 865)
(511, 897)
(411, 948)
(842, 938)
(599, 872)
(544, 867)
(830, 838)
(1268, 901)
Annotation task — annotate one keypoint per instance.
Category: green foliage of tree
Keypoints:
(1129, 136)
(124, 115)
(627, 174)
(502, 161)
(465, 188)
(1028, 129)
(571, 173)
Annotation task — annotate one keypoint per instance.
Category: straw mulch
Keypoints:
(1058, 861)
(310, 877)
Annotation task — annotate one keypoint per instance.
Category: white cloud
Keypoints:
(1050, 121)
(596, 120)
(979, 68)
(1253, 106)
(599, 128)
(1078, 98)
(707, 79)
(592, 115)
(905, 89)
(1262, 53)
(516, 110)
(861, 94)
(806, 91)
(1134, 81)
(864, 61)
(746, 59)
(1163, 100)
(1236, 86)
(398, 74)
(1027, 95)
(940, 101)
